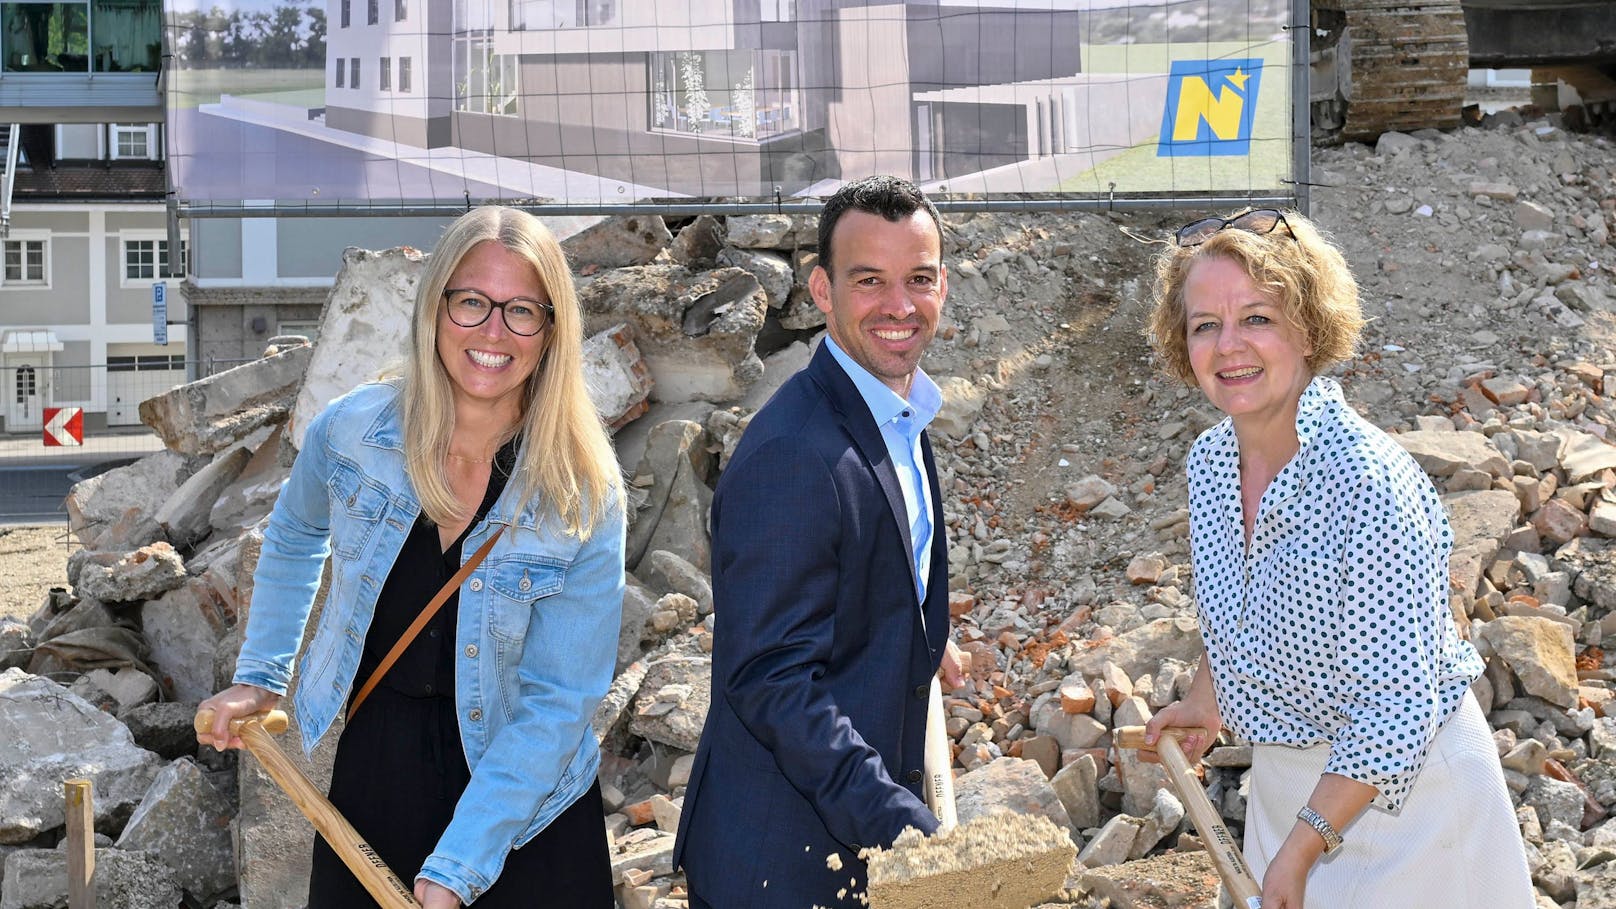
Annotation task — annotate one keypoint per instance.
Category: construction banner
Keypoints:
(376, 104)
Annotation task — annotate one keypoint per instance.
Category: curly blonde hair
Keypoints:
(1302, 268)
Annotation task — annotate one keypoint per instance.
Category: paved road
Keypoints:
(35, 479)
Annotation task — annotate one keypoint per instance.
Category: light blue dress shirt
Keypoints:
(901, 423)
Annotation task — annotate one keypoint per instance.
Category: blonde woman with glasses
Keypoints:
(1320, 554)
(477, 498)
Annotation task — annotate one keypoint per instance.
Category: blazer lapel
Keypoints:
(844, 395)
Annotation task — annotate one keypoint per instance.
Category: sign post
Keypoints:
(159, 313)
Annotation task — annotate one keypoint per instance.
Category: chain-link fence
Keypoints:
(63, 424)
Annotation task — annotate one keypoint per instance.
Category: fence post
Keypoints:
(80, 844)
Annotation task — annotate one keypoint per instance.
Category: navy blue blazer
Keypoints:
(822, 656)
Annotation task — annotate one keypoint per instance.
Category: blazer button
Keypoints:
(914, 776)
(921, 691)
(475, 715)
(476, 584)
(471, 651)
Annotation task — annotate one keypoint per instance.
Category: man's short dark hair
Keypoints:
(893, 198)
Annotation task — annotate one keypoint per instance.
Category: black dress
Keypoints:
(400, 767)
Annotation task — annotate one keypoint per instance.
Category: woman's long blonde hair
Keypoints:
(567, 459)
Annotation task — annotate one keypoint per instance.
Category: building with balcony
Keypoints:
(83, 229)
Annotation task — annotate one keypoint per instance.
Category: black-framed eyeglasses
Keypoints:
(1257, 221)
(523, 316)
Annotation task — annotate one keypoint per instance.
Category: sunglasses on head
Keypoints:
(1257, 221)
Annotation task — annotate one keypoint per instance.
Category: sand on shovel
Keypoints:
(1000, 861)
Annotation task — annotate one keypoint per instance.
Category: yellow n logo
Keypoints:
(1221, 111)
(1210, 107)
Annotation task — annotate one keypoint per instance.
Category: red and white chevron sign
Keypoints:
(64, 426)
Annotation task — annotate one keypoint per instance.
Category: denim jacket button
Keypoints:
(476, 584)
(475, 715)
(471, 651)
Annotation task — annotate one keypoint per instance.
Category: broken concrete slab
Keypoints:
(184, 627)
(49, 734)
(616, 375)
(668, 573)
(638, 604)
(674, 469)
(148, 572)
(37, 879)
(16, 644)
(186, 820)
(211, 414)
(185, 518)
(1143, 649)
(772, 270)
(251, 496)
(619, 695)
(95, 505)
(618, 241)
(1177, 880)
(115, 691)
(698, 243)
(962, 401)
(163, 728)
(777, 368)
(673, 700)
(697, 330)
(364, 328)
(758, 231)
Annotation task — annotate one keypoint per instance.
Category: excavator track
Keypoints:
(1389, 65)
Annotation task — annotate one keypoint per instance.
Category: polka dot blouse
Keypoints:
(1334, 626)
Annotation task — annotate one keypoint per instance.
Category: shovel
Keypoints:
(1220, 843)
(257, 732)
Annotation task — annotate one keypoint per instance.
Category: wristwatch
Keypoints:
(1332, 839)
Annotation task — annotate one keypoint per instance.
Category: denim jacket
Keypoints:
(536, 636)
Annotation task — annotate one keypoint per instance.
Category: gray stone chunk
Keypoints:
(186, 820)
(618, 241)
(758, 231)
(1143, 649)
(96, 504)
(146, 573)
(48, 734)
(185, 516)
(671, 574)
(16, 644)
(162, 727)
(1481, 516)
(698, 243)
(1077, 786)
(673, 701)
(771, 269)
(1540, 652)
(37, 879)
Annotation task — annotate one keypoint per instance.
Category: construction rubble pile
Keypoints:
(1485, 262)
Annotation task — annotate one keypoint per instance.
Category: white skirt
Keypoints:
(1456, 843)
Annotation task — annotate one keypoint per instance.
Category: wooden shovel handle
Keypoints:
(1133, 737)
(1220, 844)
(273, 721)
(371, 871)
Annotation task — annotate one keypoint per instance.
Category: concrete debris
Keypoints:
(186, 820)
(618, 241)
(672, 703)
(697, 330)
(47, 733)
(186, 517)
(1016, 786)
(37, 879)
(97, 504)
(140, 575)
(214, 413)
(617, 377)
(698, 243)
(364, 328)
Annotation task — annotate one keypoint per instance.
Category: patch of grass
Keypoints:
(192, 87)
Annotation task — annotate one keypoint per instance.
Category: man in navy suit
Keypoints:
(830, 584)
